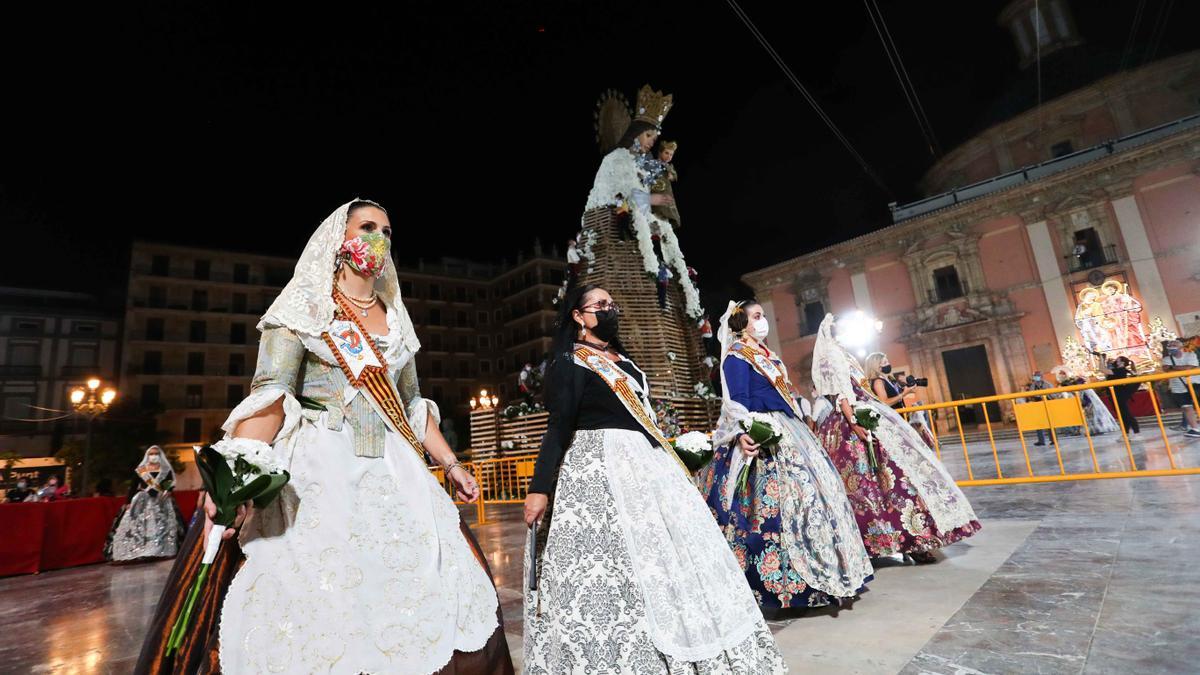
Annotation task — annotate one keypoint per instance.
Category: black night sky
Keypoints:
(241, 125)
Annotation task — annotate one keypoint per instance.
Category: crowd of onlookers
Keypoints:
(53, 490)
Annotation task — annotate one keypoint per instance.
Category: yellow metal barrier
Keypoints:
(1058, 415)
(505, 480)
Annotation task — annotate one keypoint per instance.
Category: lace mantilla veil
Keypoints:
(306, 303)
(832, 367)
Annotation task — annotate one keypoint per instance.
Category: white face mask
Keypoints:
(759, 328)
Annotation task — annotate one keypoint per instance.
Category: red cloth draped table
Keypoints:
(1139, 403)
(53, 535)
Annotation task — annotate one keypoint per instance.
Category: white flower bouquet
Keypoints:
(761, 429)
(868, 418)
(234, 471)
(694, 449)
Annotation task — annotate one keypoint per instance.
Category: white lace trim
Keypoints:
(698, 606)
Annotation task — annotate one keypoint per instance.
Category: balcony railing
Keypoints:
(1092, 258)
(139, 369)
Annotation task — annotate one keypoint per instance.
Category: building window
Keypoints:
(191, 429)
(237, 334)
(499, 341)
(233, 395)
(237, 364)
(158, 297)
(484, 342)
(198, 332)
(406, 289)
(464, 369)
(195, 396)
(160, 265)
(814, 313)
(437, 367)
(499, 314)
(435, 292)
(481, 294)
(435, 316)
(200, 301)
(202, 270)
(24, 354)
(18, 407)
(85, 328)
(481, 318)
(149, 396)
(556, 277)
(500, 365)
(152, 363)
(435, 342)
(85, 355)
(154, 329)
(239, 303)
(1062, 149)
(460, 294)
(241, 273)
(460, 319)
(437, 393)
(27, 327)
(946, 283)
(485, 367)
(195, 363)
(278, 276)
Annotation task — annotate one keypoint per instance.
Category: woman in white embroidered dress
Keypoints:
(632, 574)
(362, 564)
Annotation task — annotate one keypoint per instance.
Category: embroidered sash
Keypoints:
(366, 370)
(629, 392)
(767, 368)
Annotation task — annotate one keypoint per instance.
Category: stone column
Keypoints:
(1141, 260)
(1046, 256)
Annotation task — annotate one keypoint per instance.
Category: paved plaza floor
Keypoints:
(1070, 577)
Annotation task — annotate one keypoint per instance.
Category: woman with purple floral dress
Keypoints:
(789, 523)
(903, 498)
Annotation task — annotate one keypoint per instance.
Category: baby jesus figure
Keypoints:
(662, 185)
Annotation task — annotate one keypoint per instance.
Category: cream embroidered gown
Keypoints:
(360, 565)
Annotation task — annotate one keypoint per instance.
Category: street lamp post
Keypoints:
(87, 402)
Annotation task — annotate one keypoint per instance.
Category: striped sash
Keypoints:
(769, 369)
(366, 370)
(636, 402)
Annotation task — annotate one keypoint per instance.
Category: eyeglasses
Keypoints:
(603, 306)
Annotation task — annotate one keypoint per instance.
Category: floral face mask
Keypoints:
(367, 253)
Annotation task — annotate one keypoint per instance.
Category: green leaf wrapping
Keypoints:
(694, 461)
(762, 434)
(277, 481)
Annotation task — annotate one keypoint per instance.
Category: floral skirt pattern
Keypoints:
(755, 524)
(890, 512)
(591, 612)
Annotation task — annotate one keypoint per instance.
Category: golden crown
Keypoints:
(652, 106)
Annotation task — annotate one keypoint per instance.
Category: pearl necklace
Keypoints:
(362, 304)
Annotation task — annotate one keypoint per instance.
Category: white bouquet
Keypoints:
(694, 449)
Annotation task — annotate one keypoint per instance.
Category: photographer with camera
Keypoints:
(878, 370)
(1119, 369)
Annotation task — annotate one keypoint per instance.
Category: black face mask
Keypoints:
(608, 323)
(886, 370)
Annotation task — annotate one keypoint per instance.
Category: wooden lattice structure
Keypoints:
(663, 342)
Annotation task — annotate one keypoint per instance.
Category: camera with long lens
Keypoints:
(912, 381)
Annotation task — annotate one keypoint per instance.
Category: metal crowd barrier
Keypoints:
(505, 480)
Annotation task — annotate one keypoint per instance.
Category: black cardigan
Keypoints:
(578, 399)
